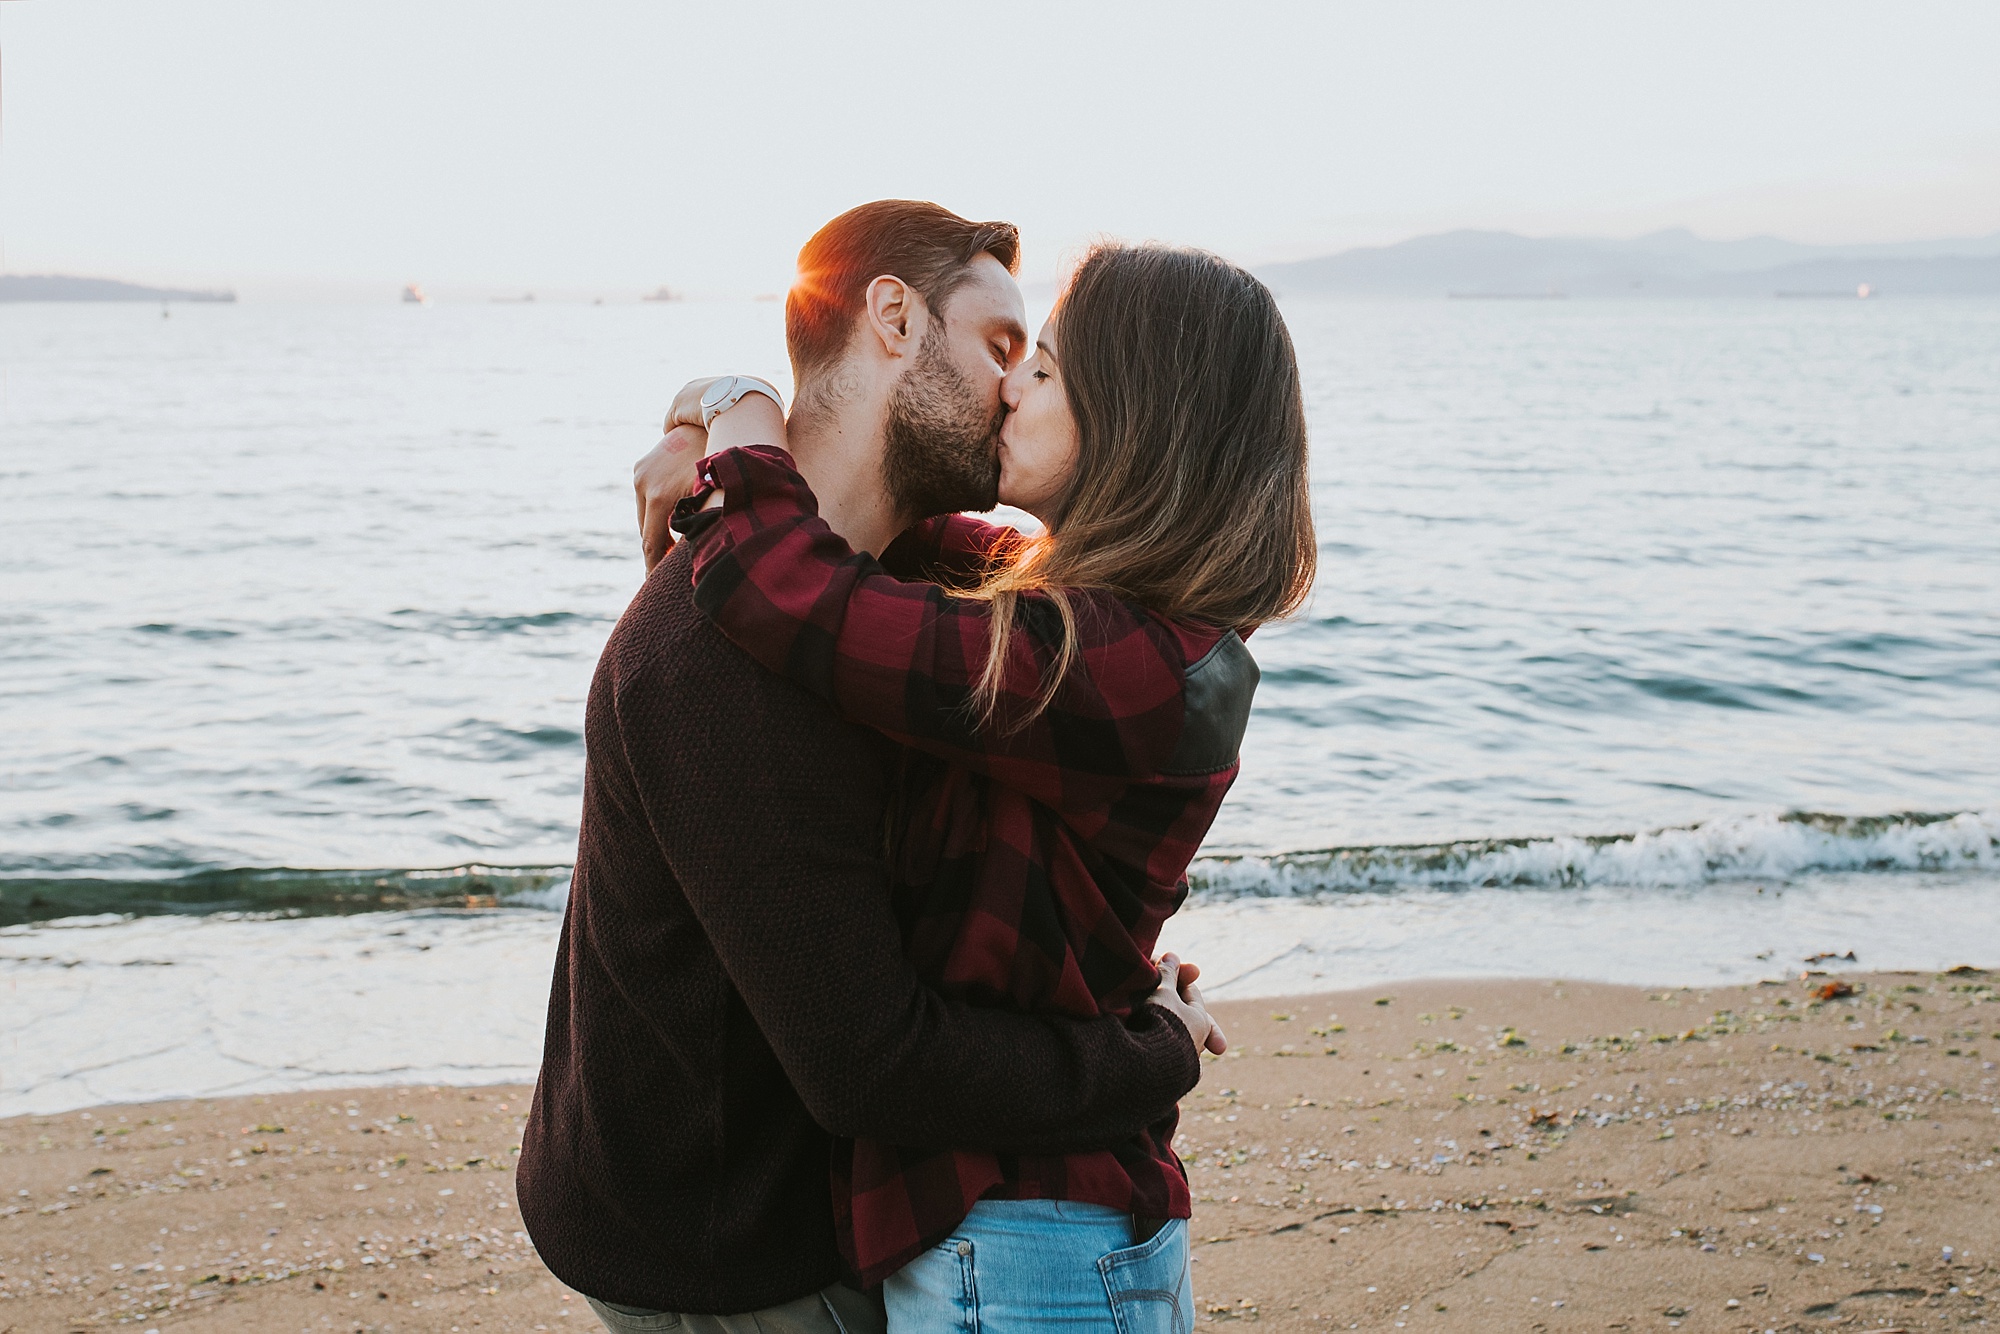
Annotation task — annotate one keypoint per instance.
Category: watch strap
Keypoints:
(736, 387)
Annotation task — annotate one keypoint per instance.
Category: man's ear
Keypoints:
(894, 313)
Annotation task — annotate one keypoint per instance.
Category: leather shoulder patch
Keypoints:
(1217, 695)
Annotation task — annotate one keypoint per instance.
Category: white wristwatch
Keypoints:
(721, 396)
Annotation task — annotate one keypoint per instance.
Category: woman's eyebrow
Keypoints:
(1042, 346)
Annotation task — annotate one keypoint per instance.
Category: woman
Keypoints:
(1069, 709)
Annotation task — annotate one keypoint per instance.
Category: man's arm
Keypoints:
(806, 935)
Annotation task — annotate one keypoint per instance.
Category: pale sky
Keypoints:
(612, 145)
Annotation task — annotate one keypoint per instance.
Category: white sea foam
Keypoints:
(115, 1009)
(1696, 935)
(552, 898)
(1748, 847)
(110, 1008)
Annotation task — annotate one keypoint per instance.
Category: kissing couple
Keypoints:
(856, 1021)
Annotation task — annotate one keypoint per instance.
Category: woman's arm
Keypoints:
(903, 658)
(955, 550)
(752, 420)
(670, 470)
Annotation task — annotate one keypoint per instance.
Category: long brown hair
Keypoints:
(1190, 495)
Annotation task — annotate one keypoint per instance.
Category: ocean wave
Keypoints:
(1752, 847)
(280, 891)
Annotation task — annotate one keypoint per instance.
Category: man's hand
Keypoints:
(1179, 996)
(660, 480)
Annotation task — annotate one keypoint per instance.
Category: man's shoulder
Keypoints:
(667, 659)
(661, 631)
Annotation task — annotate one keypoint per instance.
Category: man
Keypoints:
(730, 987)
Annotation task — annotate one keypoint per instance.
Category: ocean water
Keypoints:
(1653, 641)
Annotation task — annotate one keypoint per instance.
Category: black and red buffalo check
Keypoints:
(1033, 860)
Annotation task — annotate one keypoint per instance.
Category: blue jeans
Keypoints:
(1046, 1265)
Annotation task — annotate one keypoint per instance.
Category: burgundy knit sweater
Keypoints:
(730, 988)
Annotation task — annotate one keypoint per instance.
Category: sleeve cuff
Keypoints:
(689, 518)
(1190, 1073)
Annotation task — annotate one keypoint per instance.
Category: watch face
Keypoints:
(718, 391)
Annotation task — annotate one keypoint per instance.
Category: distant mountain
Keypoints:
(1667, 263)
(60, 287)
(1943, 275)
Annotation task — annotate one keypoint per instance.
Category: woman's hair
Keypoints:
(1190, 494)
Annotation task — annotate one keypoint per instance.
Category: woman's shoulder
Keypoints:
(1217, 679)
(1212, 662)
(1104, 618)
(953, 550)
(1217, 691)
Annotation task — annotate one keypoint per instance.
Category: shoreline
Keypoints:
(113, 1009)
(1439, 1155)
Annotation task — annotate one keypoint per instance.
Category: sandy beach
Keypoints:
(1812, 1152)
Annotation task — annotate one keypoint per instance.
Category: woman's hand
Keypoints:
(660, 480)
(667, 474)
(1179, 996)
(686, 410)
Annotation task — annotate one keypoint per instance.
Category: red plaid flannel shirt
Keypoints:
(1032, 866)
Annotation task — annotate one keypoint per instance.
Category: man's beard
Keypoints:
(941, 451)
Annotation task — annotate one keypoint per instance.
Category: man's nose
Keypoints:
(1010, 390)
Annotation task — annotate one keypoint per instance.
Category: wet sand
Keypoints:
(1432, 1156)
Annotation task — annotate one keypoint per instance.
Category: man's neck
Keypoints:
(839, 452)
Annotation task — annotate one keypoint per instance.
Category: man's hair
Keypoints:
(928, 247)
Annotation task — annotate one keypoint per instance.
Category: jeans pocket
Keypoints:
(1149, 1285)
(632, 1319)
(936, 1292)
